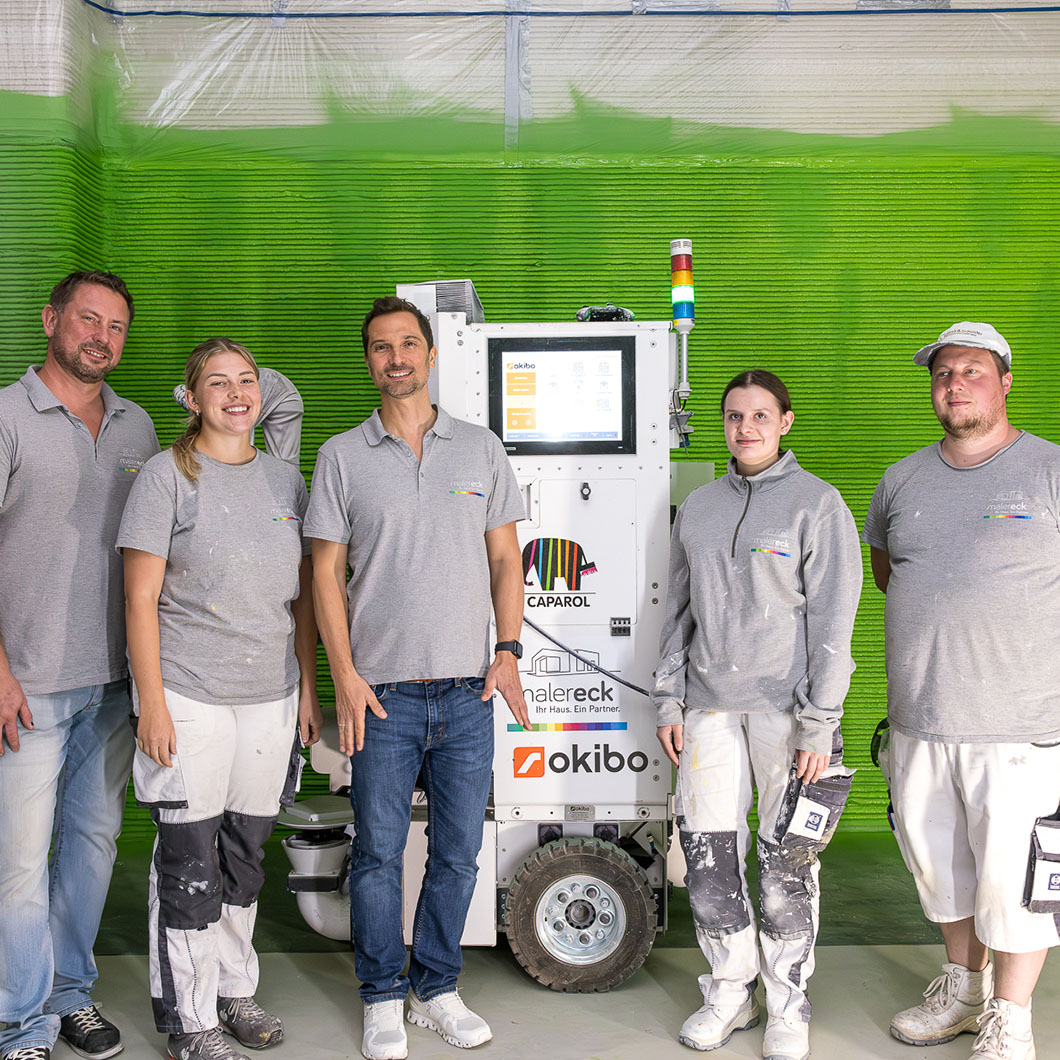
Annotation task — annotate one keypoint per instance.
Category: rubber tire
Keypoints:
(590, 857)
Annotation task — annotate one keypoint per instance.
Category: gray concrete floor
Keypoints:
(855, 991)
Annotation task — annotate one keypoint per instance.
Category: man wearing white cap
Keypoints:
(964, 541)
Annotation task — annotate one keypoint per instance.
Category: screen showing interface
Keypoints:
(563, 395)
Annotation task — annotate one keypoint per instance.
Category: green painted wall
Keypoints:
(826, 259)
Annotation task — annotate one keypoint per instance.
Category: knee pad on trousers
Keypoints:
(240, 845)
(787, 889)
(714, 882)
(189, 874)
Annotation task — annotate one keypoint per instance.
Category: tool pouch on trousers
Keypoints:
(809, 813)
(1042, 892)
(293, 784)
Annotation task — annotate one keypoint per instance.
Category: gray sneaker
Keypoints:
(249, 1023)
(204, 1045)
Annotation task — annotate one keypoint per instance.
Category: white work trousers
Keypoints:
(725, 756)
(229, 772)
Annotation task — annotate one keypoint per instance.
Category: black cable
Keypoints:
(582, 659)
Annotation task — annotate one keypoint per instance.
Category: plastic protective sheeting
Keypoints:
(217, 64)
(859, 76)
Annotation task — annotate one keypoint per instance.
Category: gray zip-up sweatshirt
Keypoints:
(765, 576)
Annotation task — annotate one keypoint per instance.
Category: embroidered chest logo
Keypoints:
(772, 541)
(1008, 504)
(467, 488)
(130, 463)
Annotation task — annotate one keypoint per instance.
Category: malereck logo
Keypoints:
(600, 758)
(814, 822)
(1054, 881)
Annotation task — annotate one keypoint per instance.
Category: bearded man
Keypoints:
(70, 448)
(965, 542)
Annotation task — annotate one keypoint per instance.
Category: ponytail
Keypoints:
(184, 448)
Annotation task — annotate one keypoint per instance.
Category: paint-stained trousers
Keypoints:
(214, 810)
(725, 756)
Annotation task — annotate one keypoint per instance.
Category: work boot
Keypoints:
(786, 1038)
(249, 1023)
(952, 1005)
(89, 1034)
(1004, 1032)
(203, 1045)
(711, 1026)
(384, 1031)
(451, 1018)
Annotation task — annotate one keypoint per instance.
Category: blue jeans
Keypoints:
(65, 789)
(443, 728)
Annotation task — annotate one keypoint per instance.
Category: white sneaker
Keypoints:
(952, 1005)
(384, 1031)
(451, 1018)
(711, 1026)
(786, 1039)
(1005, 1032)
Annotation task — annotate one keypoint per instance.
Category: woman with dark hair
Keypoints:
(765, 575)
(222, 646)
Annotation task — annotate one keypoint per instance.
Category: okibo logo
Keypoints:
(531, 762)
(1054, 881)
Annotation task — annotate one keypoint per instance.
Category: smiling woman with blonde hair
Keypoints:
(222, 645)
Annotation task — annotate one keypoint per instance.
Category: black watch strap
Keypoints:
(509, 645)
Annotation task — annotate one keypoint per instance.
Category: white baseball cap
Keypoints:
(967, 333)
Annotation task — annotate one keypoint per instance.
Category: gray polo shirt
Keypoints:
(972, 617)
(62, 599)
(419, 593)
(232, 543)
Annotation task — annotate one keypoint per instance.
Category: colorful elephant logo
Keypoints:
(555, 557)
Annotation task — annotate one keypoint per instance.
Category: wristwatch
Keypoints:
(509, 645)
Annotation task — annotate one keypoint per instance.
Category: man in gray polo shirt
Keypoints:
(964, 541)
(423, 509)
(69, 452)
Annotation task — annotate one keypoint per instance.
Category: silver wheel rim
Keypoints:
(579, 919)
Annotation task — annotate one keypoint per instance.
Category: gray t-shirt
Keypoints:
(419, 593)
(232, 544)
(62, 599)
(973, 604)
(765, 576)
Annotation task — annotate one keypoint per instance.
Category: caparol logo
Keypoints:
(552, 559)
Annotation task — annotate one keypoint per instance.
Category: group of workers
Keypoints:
(206, 573)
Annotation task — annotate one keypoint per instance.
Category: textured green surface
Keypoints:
(826, 259)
